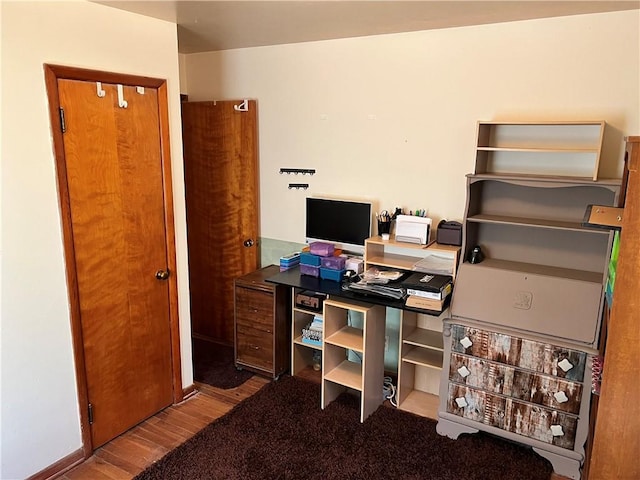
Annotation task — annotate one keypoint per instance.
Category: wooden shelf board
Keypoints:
(425, 357)
(298, 341)
(348, 374)
(347, 337)
(309, 373)
(393, 260)
(567, 180)
(350, 304)
(421, 403)
(580, 275)
(536, 222)
(307, 311)
(550, 149)
(421, 337)
(393, 243)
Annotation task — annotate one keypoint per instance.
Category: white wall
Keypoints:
(40, 415)
(393, 117)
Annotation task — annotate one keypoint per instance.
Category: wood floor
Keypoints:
(130, 453)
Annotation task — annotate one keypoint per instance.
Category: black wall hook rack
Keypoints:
(303, 171)
(297, 186)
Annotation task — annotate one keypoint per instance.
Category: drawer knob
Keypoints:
(561, 397)
(465, 342)
(464, 372)
(461, 402)
(556, 430)
(565, 365)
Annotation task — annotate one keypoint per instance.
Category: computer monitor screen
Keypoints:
(347, 224)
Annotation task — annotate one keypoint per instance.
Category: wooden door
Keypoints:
(221, 184)
(115, 192)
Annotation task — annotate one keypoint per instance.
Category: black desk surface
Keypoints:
(293, 278)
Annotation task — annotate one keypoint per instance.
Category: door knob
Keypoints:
(162, 274)
(248, 242)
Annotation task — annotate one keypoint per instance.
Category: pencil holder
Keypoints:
(384, 227)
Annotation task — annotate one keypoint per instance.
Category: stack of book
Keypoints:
(427, 291)
(312, 333)
(289, 261)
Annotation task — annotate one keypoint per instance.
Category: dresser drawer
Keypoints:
(519, 352)
(254, 347)
(532, 421)
(545, 390)
(254, 307)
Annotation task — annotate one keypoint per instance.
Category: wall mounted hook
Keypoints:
(303, 171)
(101, 93)
(122, 103)
(243, 107)
(298, 186)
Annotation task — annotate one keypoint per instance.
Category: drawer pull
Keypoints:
(465, 342)
(461, 402)
(464, 372)
(556, 430)
(565, 365)
(561, 397)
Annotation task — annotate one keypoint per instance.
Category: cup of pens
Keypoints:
(384, 225)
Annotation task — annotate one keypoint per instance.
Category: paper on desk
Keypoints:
(440, 264)
(375, 275)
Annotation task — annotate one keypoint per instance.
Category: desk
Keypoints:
(292, 278)
(420, 348)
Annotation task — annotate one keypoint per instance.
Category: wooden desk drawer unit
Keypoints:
(261, 323)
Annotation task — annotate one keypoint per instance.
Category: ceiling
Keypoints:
(222, 25)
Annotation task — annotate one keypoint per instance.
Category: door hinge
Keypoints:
(90, 414)
(63, 124)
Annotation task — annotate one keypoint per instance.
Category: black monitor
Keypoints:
(347, 224)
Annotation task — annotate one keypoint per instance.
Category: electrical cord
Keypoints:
(389, 391)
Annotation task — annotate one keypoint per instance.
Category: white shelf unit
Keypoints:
(567, 149)
(420, 363)
(301, 353)
(339, 338)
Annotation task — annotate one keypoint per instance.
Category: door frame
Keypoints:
(52, 74)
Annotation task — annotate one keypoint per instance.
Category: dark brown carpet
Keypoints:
(281, 433)
(213, 364)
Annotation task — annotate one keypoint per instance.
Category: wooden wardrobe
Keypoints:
(616, 437)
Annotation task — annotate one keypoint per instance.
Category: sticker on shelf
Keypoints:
(464, 372)
(461, 402)
(561, 397)
(465, 342)
(565, 365)
(556, 430)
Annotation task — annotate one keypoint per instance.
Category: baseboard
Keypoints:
(61, 466)
(189, 391)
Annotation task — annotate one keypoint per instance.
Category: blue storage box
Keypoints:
(307, 258)
(330, 274)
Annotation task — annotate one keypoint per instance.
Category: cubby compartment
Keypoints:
(302, 354)
(420, 365)
(353, 358)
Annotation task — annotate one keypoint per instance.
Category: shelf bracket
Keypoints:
(602, 216)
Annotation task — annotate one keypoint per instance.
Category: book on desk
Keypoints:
(430, 286)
